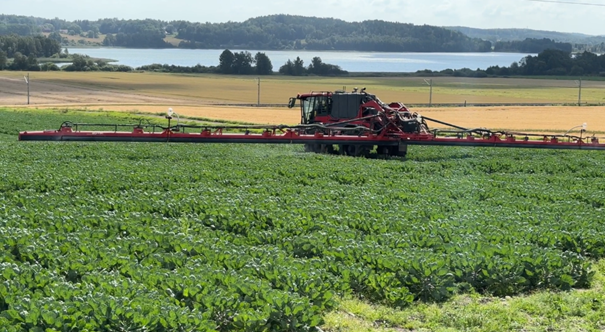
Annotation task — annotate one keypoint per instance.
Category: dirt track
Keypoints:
(13, 92)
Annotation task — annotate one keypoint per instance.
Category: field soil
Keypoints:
(144, 93)
(13, 92)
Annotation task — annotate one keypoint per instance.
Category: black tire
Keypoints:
(382, 150)
(361, 150)
(394, 152)
(327, 149)
(312, 147)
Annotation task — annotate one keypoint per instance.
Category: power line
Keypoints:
(571, 3)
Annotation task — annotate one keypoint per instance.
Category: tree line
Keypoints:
(268, 32)
(580, 42)
(38, 46)
(531, 45)
(25, 50)
(142, 39)
(275, 32)
(311, 33)
(555, 63)
(547, 63)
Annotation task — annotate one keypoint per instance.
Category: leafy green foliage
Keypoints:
(37, 46)
(132, 236)
(272, 32)
(317, 67)
(554, 62)
(312, 33)
(531, 45)
(142, 39)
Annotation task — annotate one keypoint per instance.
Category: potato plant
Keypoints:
(165, 237)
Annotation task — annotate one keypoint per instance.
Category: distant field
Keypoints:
(173, 40)
(77, 38)
(200, 96)
(169, 39)
(199, 89)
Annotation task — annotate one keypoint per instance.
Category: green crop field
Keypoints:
(194, 237)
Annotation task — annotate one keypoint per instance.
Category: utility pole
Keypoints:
(258, 97)
(27, 82)
(579, 92)
(430, 84)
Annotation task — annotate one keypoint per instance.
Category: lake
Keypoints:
(350, 61)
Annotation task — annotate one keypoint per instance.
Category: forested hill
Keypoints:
(267, 33)
(278, 32)
(495, 35)
(311, 33)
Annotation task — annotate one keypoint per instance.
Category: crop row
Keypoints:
(234, 237)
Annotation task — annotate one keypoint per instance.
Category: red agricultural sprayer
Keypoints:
(349, 123)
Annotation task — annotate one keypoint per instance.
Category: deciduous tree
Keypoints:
(299, 68)
(3, 60)
(242, 63)
(226, 60)
(263, 64)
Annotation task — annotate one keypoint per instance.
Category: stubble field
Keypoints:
(204, 89)
(208, 97)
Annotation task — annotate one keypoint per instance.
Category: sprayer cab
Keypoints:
(357, 107)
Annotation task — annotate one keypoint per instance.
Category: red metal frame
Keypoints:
(293, 135)
(391, 128)
(393, 107)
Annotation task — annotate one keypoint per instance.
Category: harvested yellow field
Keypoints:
(200, 96)
(548, 119)
(276, 89)
(262, 115)
(77, 38)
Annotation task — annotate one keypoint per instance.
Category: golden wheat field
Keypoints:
(201, 96)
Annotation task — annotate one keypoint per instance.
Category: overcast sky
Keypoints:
(550, 15)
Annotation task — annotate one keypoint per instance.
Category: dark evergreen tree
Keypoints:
(55, 36)
(110, 40)
(299, 68)
(81, 63)
(317, 66)
(226, 60)
(49, 66)
(263, 64)
(3, 60)
(287, 68)
(242, 63)
(22, 62)
(531, 45)
(39, 46)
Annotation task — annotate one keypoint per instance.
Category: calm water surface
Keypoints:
(350, 61)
